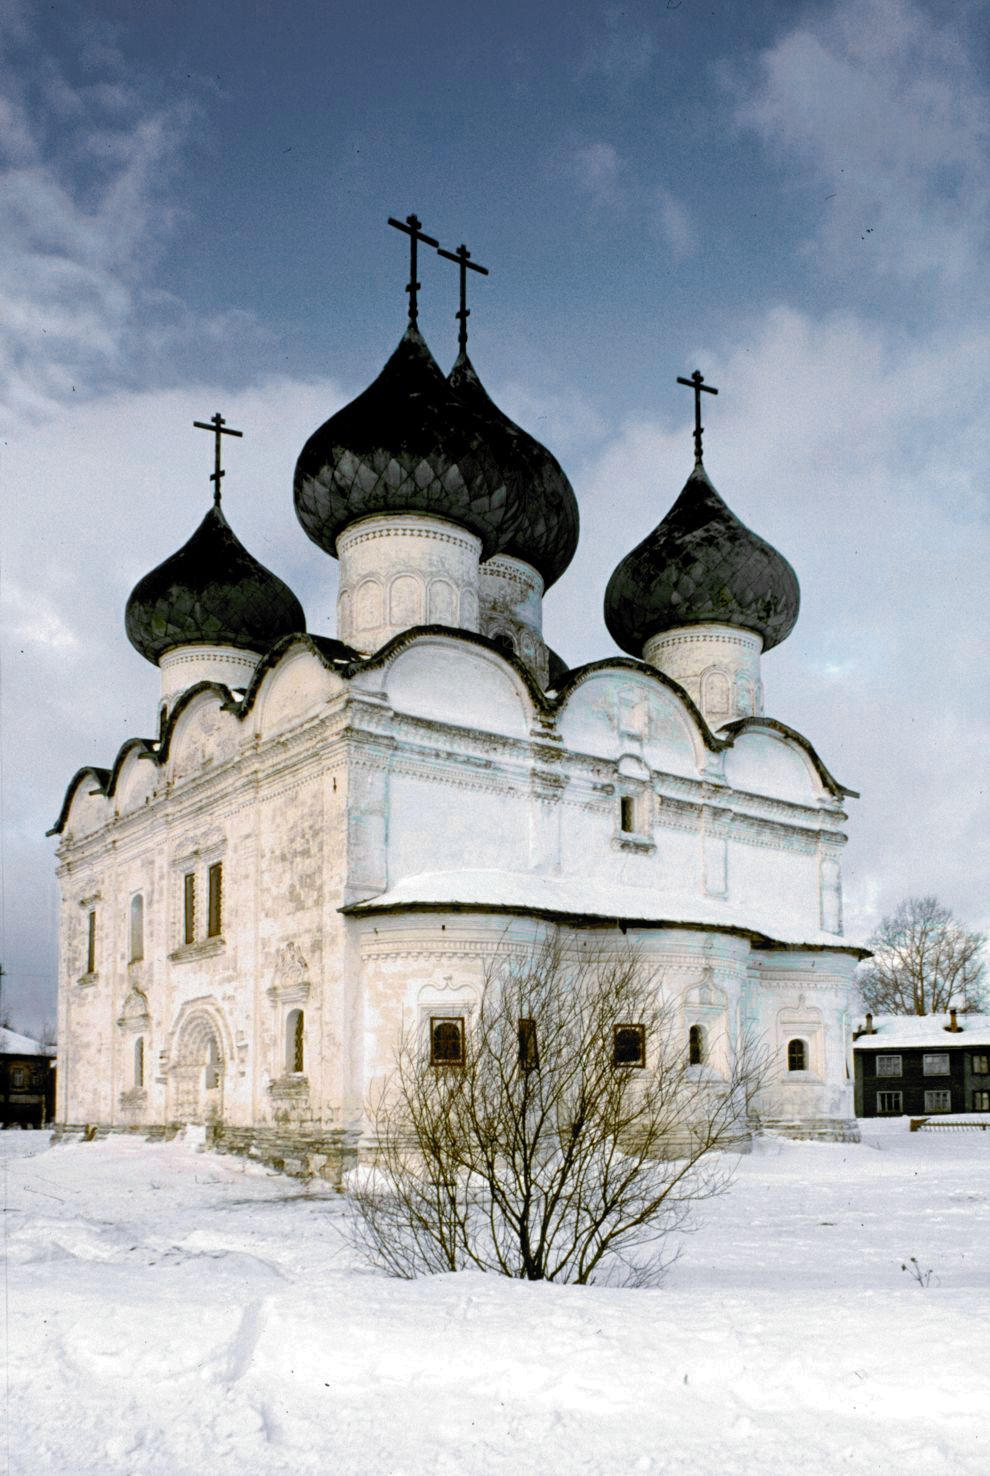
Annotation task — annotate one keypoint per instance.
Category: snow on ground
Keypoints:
(169, 1311)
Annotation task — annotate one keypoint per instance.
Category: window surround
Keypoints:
(629, 1046)
(981, 1101)
(890, 1065)
(981, 1065)
(890, 1104)
(938, 1099)
(193, 915)
(135, 929)
(442, 1042)
(935, 1063)
(633, 809)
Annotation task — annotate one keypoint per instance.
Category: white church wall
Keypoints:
(451, 683)
(611, 713)
(768, 763)
(296, 690)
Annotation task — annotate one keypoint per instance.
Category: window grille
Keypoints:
(295, 1041)
(797, 1055)
(981, 1065)
(696, 1045)
(936, 1063)
(446, 1042)
(889, 1104)
(981, 1101)
(938, 1101)
(189, 907)
(889, 1066)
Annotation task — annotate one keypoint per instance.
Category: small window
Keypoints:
(696, 1045)
(889, 1066)
(936, 1064)
(981, 1101)
(139, 1061)
(529, 1054)
(19, 1078)
(629, 1045)
(627, 814)
(889, 1104)
(295, 1041)
(940, 1101)
(137, 928)
(91, 943)
(797, 1055)
(981, 1065)
(215, 917)
(189, 907)
(446, 1042)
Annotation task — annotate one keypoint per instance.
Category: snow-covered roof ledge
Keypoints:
(904, 1031)
(545, 896)
(12, 1044)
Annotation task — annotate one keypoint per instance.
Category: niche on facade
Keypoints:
(716, 697)
(442, 603)
(705, 1015)
(368, 605)
(288, 994)
(800, 1044)
(405, 601)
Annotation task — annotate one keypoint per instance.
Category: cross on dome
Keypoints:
(219, 427)
(697, 383)
(411, 226)
(463, 257)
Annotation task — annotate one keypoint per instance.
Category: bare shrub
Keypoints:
(570, 1141)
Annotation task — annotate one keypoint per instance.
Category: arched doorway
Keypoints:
(197, 1071)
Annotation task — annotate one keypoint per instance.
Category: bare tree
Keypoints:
(565, 1140)
(924, 960)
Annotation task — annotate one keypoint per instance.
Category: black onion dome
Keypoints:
(212, 592)
(408, 443)
(546, 535)
(701, 566)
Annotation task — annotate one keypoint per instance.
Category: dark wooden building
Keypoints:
(921, 1065)
(27, 1081)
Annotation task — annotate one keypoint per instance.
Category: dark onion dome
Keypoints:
(547, 534)
(701, 566)
(557, 669)
(407, 444)
(212, 592)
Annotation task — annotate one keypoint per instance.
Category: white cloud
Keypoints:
(883, 110)
(600, 172)
(671, 224)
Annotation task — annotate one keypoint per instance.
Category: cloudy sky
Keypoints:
(791, 197)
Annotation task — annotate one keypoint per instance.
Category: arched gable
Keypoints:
(764, 761)
(611, 709)
(452, 680)
(297, 687)
(135, 776)
(84, 802)
(202, 730)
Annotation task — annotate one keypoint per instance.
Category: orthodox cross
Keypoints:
(219, 427)
(411, 226)
(697, 383)
(463, 257)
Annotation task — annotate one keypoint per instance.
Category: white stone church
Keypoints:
(326, 840)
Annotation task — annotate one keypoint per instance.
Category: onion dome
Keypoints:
(212, 592)
(558, 669)
(701, 566)
(408, 443)
(546, 535)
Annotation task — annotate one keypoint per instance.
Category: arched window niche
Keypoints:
(295, 1043)
(797, 1054)
(137, 928)
(696, 1045)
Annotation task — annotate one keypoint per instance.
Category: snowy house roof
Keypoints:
(905, 1031)
(12, 1044)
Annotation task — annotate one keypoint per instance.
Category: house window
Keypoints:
(189, 907)
(936, 1064)
(889, 1104)
(215, 914)
(529, 1054)
(137, 928)
(91, 943)
(18, 1078)
(940, 1101)
(797, 1055)
(295, 1041)
(981, 1065)
(139, 1061)
(627, 814)
(629, 1045)
(446, 1042)
(981, 1101)
(696, 1045)
(889, 1066)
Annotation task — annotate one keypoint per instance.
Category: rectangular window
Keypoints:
(91, 943)
(889, 1066)
(215, 921)
(629, 1045)
(889, 1104)
(446, 1042)
(936, 1064)
(981, 1101)
(529, 1054)
(627, 814)
(981, 1065)
(938, 1101)
(137, 928)
(18, 1078)
(189, 907)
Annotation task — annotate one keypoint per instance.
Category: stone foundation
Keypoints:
(819, 1130)
(319, 1155)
